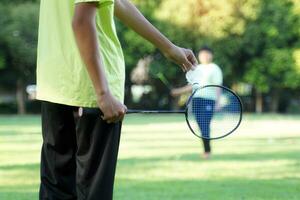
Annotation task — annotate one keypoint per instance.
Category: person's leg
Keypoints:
(58, 164)
(206, 144)
(204, 114)
(207, 115)
(98, 144)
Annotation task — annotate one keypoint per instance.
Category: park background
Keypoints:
(257, 45)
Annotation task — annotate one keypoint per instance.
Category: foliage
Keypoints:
(211, 18)
(271, 49)
(255, 41)
(21, 39)
(3, 22)
(276, 70)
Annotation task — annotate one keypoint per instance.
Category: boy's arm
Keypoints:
(130, 15)
(182, 90)
(84, 28)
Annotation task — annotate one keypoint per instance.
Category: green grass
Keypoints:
(159, 160)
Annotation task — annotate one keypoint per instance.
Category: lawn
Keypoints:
(160, 160)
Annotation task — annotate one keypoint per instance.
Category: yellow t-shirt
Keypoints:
(61, 74)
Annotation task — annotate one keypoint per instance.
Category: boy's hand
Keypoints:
(112, 109)
(175, 92)
(183, 57)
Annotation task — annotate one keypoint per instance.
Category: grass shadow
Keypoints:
(225, 189)
(31, 166)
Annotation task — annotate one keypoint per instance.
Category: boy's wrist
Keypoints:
(167, 48)
(102, 92)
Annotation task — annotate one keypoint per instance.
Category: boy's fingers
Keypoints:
(106, 119)
(187, 65)
(111, 118)
(117, 116)
(183, 67)
(125, 109)
(192, 58)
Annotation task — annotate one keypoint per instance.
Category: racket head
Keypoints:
(213, 112)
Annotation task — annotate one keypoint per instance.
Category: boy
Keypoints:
(207, 73)
(80, 64)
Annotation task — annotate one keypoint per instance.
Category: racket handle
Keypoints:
(97, 111)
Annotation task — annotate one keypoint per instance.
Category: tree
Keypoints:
(3, 22)
(271, 42)
(19, 37)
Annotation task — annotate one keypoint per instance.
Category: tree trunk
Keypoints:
(21, 97)
(258, 102)
(274, 101)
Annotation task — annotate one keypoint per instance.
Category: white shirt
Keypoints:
(206, 74)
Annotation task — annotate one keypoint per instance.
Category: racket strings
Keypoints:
(213, 112)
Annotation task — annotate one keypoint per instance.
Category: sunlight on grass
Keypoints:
(160, 159)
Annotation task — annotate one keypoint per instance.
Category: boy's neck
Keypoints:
(206, 63)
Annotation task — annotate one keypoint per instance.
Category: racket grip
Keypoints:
(89, 111)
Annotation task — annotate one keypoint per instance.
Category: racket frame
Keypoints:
(191, 98)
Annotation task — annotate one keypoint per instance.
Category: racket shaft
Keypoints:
(87, 111)
(155, 112)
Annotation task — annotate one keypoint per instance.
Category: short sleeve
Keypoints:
(218, 76)
(190, 77)
(99, 2)
(83, 1)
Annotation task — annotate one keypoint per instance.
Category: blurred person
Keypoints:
(80, 64)
(206, 73)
